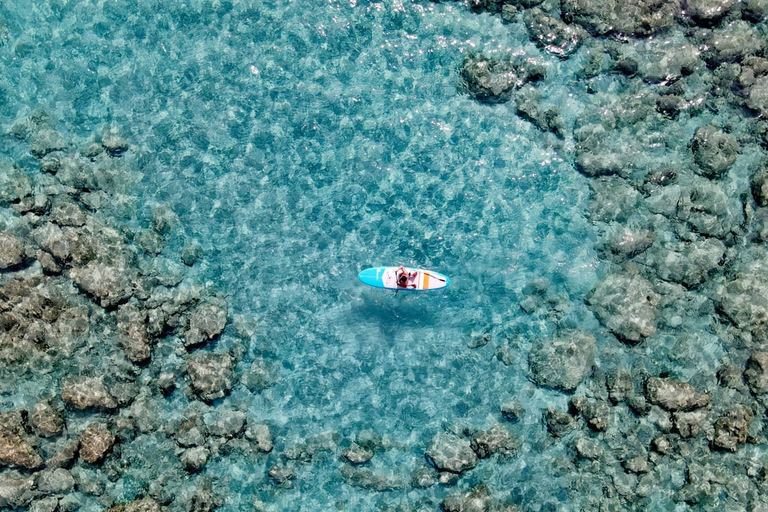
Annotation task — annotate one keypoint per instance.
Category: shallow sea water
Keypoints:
(300, 142)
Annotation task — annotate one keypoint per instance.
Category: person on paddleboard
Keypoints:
(403, 277)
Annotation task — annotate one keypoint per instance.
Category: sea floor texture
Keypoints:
(189, 189)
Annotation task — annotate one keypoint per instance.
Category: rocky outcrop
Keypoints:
(633, 17)
(756, 373)
(563, 361)
(11, 251)
(195, 458)
(132, 329)
(15, 449)
(597, 413)
(626, 305)
(87, 393)
(141, 505)
(496, 439)
(109, 285)
(707, 13)
(45, 419)
(551, 34)
(449, 452)
(674, 395)
(205, 323)
(732, 429)
(494, 80)
(261, 435)
(211, 375)
(714, 151)
(16, 491)
(744, 298)
(689, 264)
(356, 454)
(95, 442)
(760, 186)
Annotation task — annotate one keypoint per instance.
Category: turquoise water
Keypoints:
(300, 142)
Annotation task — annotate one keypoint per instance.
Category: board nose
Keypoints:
(368, 276)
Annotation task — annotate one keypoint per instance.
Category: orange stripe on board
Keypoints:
(426, 282)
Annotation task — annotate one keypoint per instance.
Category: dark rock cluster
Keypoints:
(82, 314)
(672, 140)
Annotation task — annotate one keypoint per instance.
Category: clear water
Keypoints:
(300, 142)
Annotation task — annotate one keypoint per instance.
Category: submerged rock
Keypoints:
(113, 140)
(493, 80)
(478, 499)
(632, 17)
(45, 419)
(623, 243)
(597, 413)
(714, 151)
(205, 323)
(16, 491)
(109, 285)
(357, 454)
(756, 373)
(68, 214)
(732, 43)
(87, 393)
(46, 140)
(689, 423)
(195, 458)
(673, 395)
(261, 436)
(551, 34)
(563, 361)
(744, 298)
(11, 251)
(626, 305)
(16, 452)
(95, 441)
(14, 184)
(707, 13)
(140, 505)
(227, 423)
(528, 104)
(760, 186)
(612, 201)
(191, 252)
(368, 479)
(449, 452)
(282, 475)
(132, 328)
(732, 429)
(559, 423)
(588, 448)
(620, 385)
(496, 439)
(211, 375)
(55, 481)
(689, 264)
(512, 411)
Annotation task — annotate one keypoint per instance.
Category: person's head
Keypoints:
(402, 279)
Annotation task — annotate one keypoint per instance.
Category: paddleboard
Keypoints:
(419, 279)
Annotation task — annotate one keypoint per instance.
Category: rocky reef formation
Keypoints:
(679, 195)
(81, 301)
